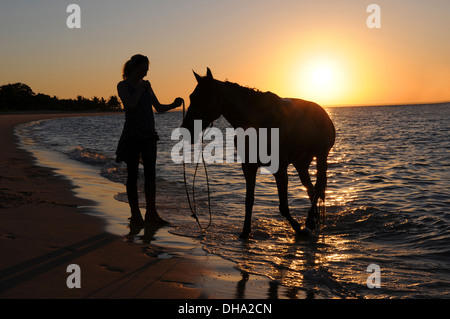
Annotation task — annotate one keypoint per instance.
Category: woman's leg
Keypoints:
(149, 159)
(149, 153)
(133, 153)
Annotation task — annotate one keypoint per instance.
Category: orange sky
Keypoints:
(317, 50)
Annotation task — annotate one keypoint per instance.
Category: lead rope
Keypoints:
(192, 206)
(320, 217)
(322, 211)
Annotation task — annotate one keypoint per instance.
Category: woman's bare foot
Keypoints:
(153, 219)
(136, 218)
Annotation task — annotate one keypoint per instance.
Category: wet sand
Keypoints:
(45, 227)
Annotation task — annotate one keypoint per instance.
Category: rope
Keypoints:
(192, 206)
(322, 211)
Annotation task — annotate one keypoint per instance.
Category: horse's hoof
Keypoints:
(303, 233)
(244, 236)
(297, 228)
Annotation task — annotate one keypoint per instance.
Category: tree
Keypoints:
(114, 103)
(16, 96)
(16, 89)
(19, 96)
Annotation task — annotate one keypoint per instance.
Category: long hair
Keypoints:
(132, 63)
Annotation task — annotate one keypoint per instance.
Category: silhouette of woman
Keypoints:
(139, 138)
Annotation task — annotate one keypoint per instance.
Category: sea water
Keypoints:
(388, 201)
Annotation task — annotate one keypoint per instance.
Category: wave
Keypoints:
(87, 155)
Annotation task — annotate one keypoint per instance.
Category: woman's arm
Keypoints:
(161, 108)
(129, 100)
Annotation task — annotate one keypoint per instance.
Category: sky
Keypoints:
(318, 50)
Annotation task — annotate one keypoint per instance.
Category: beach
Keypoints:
(45, 228)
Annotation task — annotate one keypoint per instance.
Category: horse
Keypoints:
(305, 132)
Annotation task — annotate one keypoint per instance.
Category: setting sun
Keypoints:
(322, 76)
(320, 79)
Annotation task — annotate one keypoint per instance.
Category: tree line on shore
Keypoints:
(20, 97)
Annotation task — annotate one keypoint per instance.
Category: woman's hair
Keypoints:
(132, 63)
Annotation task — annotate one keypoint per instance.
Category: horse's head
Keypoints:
(205, 103)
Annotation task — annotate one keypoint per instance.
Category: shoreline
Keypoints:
(45, 227)
(78, 224)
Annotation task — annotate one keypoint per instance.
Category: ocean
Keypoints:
(387, 201)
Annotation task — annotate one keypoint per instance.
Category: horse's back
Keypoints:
(307, 127)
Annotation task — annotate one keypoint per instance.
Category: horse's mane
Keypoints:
(250, 93)
(243, 89)
(240, 87)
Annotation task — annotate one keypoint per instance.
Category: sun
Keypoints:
(322, 76)
(319, 79)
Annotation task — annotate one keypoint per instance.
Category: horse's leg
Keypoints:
(250, 179)
(321, 184)
(281, 178)
(302, 167)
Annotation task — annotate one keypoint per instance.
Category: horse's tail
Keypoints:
(321, 185)
(316, 216)
(321, 160)
(327, 135)
(321, 182)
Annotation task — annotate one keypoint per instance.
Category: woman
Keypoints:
(139, 137)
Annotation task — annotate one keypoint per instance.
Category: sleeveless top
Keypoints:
(139, 123)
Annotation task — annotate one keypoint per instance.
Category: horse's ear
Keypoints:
(209, 74)
(198, 77)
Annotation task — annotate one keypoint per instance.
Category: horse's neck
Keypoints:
(234, 108)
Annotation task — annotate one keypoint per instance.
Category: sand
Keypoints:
(44, 228)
